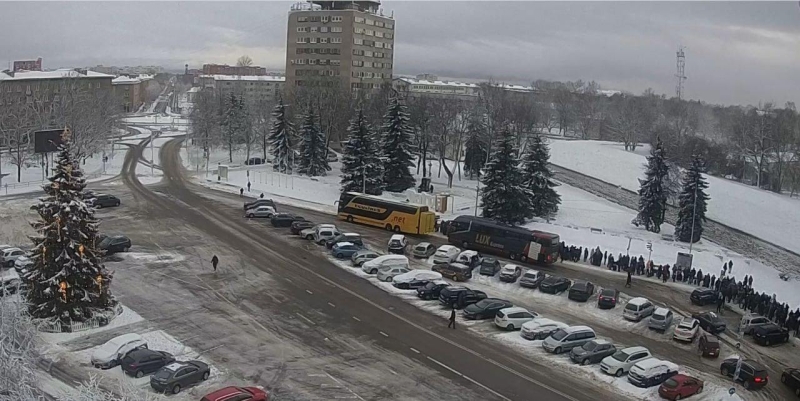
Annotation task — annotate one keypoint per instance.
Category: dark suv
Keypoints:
(710, 322)
(486, 308)
(703, 296)
(752, 374)
(554, 284)
(104, 200)
(431, 290)
(459, 297)
(708, 345)
(770, 334)
(454, 271)
(489, 267)
(352, 238)
(144, 361)
(284, 219)
(581, 291)
(114, 244)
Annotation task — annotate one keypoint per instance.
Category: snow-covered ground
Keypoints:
(767, 215)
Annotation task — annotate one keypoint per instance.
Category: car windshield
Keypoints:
(483, 303)
(163, 374)
(420, 247)
(590, 346)
(105, 242)
(670, 383)
(620, 356)
(632, 307)
(558, 335)
(658, 317)
(530, 275)
(607, 293)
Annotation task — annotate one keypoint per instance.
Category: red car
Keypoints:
(237, 394)
(679, 387)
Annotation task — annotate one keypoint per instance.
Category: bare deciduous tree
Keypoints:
(244, 61)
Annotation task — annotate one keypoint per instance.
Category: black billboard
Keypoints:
(47, 141)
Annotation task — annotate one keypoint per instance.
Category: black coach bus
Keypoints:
(516, 243)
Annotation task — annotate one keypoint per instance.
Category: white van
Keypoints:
(637, 309)
(372, 266)
(751, 321)
(564, 340)
(651, 372)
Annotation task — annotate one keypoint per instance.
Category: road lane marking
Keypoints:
(468, 378)
(356, 319)
(305, 318)
(414, 350)
(384, 334)
(309, 292)
(339, 382)
(332, 305)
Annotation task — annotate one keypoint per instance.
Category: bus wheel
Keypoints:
(349, 219)
(512, 256)
(388, 227)
(464, 245)
(397, 229)
(523, 258)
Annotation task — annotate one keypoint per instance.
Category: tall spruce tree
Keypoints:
(504, 198)
(397, 144)
(652, 193)
(234, 122)
(361, 164)
(539, 179)
(693, 203)
(67, 281)
(312, 150)
(280, 140)
(475, 147)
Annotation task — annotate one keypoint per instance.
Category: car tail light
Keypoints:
(133, 365)
(759, 379)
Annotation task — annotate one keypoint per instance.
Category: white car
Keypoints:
(387, 273)
(539, 328)
(111, 353)
(686, 330)
(9, 255)
(375, 265)
(446, 254)
(623, 360)
(22, 263)
(308, 233)
(469, 258)
(415, 278)
(325, 233)
(260, 211)
(513, 318)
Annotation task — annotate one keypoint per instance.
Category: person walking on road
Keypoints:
(452, 324)
(241, 192)
(720, 303)
(248, 186)
(628, 280)
(214, 262)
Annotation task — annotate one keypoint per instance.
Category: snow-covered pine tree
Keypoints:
(67, 281)
(233, 122)
(397, 144)
(652, 194)
(281, 140)
(361, 166)
(693, 203)
(475, 147)
(504, 198)
(539, 179)
(312, 151)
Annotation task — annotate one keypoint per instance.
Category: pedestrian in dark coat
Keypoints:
(680, 275)
(706, 280)
(665, 274)
(248, 186)
(699, 276)
(750, 282)
(713, 281)
(628, 280)
(452, 323)
(720, 303)
(241, 192)
(214, 262)
(610, 262)
(693, 276)
(730, 266)
(605, 257)
(585, 254)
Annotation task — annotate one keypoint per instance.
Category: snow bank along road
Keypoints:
(327, 304)
(736, 240)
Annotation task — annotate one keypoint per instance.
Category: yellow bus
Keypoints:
(394, 216)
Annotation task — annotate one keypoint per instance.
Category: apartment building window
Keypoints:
(312, 40)
(336, 29)
(336, 19)
(336, 62)
(358, 41)
(358, 63)
(387, 65)
(388, 35)
(312, 61)
(360, 20)
(370, 22)
(302, 29)
(378, 54)
(368, 42)
(389, 26)
(300, 61)
(368, 53)
(388, 45)
(302, 19)
(323, 40)
(379, 45)
(358, 52)
(378, 34)
(336, 51)
(312, 29)
(336, 40)
(325, 18)
(315, 18)
(323, 29)
(379, 23)
(302, 40)
(358, 30)
(369, 32)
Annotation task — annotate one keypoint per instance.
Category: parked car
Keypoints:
(486, 308)
(109, 354)
(686, 330)
(253, 161)
(791, 378)
(397, 244)
(22, 264)
(179, 375)
(708, 345)
(323, 234)
(260, 212)
(752, 374)
(703, 296)
(415, 279)
(9, 255)
(660, 320)
(623, 360)
(88, 194)
(592, 352)
(581, 291)
(554, 284)
(540, 328)
(432, 289)
(680, 386)
(510, 273)
(770, 334)
(564, 340)
(710, 322)
(531, 278)
(344, 250)
(259, 202)
(454, 271)
(513, 318)
(387, 273)
(237, 394)
(9, 285)
(300, 225)
(103, 200)
(489, 267)
(608, 298)
(352, 238)
(637, 309)
(310, 233)
(651, 372)
(362, 256)
(374, 265)
(459, 297)
(751, 321)
(446, 254)
(114, 244)
(423, 250)
(469, 258)
(284, 219)
(143, 361)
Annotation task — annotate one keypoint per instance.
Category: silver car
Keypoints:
(9, 255)
(362, 256)
(387, 273)
(423, 250)
(261, 211)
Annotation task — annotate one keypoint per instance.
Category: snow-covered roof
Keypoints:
(609, 92)
(415, 81)
(194, 89)
(271, 78)
(57, 74)
(125, 80)
(638, 301)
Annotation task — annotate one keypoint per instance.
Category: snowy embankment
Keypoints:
(767, 215)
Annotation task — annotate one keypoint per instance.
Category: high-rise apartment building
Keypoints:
(349, 42)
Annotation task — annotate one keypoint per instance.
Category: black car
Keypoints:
(284, 219)
(346, 237)
(607, 298)
(254, 161)
(791, 378)
(454, 271)
(431, 290)
(114, 244)
(710, 322)
(104, 200)
(86, 195)
(485, 308)
(581, 291)
(459, 297)
(300, 225)
(489, 267)
(179, 375)
(144, 361)
(752, 374)
(554, 284)
(259, 202)
(770, 334)
(592, 352)
(703, 296)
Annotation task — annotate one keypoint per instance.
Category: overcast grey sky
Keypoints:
(741, 53)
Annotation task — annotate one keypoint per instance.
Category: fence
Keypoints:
(28, 184)
(93, 323)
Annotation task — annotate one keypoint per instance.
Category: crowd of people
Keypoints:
(728, 289)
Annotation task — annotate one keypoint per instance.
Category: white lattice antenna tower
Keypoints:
(680, 74)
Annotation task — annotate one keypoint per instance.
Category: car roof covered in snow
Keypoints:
(446, 248)
(687, 322)
(634, 350)
(653, 362)
(125, 338)
(468, 253)
(600, 341)
(661, 311)
(510, 266)
(531, 272)
(343, 244)
(398, 237)
(638, 301)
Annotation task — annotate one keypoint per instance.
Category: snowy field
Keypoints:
(765, 214)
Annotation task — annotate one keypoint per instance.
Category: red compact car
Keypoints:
(680, 386)
(238, 394)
